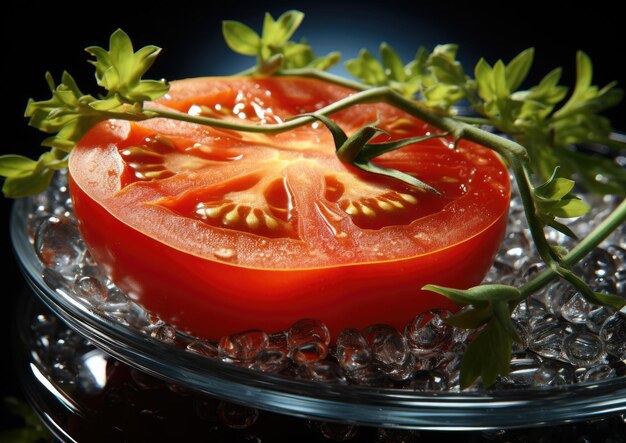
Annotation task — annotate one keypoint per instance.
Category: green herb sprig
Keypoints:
(273, 48)
(537, 149)
(69, 114)
(531, 116)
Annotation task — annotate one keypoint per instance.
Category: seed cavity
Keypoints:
(351, 209)
(394, 203)
(234, 215)
(367, 211)
(271, 222)
(385, 205)
(231, 217)
(363, 199)
(252, 220)
(371, 207)
(408, 198)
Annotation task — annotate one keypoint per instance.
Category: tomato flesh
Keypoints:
(219, 231)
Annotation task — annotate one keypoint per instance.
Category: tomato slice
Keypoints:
(219, 231)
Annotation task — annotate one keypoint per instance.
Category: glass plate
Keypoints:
(373, 406)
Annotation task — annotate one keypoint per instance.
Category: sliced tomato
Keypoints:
(219, 231)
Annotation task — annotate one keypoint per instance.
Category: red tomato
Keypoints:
(220, 231)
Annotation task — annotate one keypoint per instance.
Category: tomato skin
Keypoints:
(210, 298)
(236, 298)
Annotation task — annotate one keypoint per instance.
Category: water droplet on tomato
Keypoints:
(194, 110)
(225, 254)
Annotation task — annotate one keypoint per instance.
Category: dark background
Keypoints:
(51, 36)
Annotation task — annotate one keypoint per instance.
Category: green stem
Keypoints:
(324, 76)
(536, 227)
(501, 145)
(370, 95)
(366, 94)
(608, 225)
(474, 120)
(375, 149)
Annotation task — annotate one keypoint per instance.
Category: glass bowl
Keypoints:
(370, 406)
(83, 394)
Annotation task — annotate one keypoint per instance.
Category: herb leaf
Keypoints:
(531, 116)
(406, 79)
(241, 38)
(31, 184)
(69, 113)
(61, 114)
(33, 176)
(120, 70)
(273, 48)
(517, 69)
(547, 132)
(478, 295)
(394, 68)
(278, 32)
(367, 69)
(487, 356)
(357, 150)
(587, 97)
(15, 165)
(471, 318)
(553, 199)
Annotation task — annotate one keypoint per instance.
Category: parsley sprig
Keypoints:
(69, 113)
(273, 48)
(490, 307)
(532, 116)
(537, 148)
